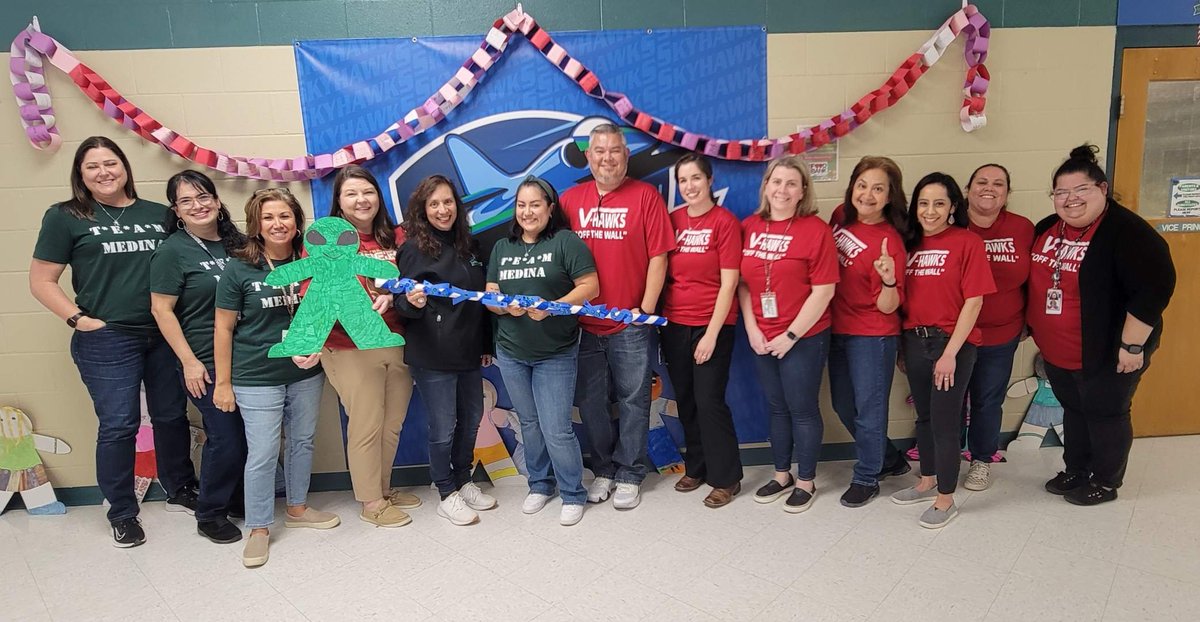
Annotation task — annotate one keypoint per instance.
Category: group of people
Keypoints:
(173, 298)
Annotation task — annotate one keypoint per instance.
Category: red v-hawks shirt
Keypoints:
(853, 309)
(704, 246)
(801, 255)
(1007, 243)
(944, 271)
(623, 229)
(1060, 337)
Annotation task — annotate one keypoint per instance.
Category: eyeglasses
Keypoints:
(188, 204)
(1062, 194)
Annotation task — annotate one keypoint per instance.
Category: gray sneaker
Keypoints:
(909, 496)
(627, 497)
(934, 518)
(979, 476)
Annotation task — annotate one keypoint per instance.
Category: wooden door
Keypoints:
(1158, 138)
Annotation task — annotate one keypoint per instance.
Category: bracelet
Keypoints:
(892, 284)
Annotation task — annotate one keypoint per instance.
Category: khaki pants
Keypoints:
(374, 386)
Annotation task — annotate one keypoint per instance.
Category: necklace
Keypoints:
(116, 219)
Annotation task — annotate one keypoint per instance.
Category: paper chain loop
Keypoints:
(496, 299)
(31, 48)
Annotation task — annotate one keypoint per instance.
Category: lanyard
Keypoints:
(203, 246)
(289, 296)
(771, 262)
(1056, 264)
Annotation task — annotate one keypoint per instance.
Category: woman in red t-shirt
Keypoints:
(869, 230)
(702, 278)
(373, 385)
(947, 277)
(1008, 238)
(789, 270)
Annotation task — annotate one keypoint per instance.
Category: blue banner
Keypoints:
(527, 117)
(1158, 12)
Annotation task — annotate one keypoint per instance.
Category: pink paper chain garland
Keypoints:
(32, 48)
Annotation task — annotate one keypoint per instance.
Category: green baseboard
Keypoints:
(419, 475)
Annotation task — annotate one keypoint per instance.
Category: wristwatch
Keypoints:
(1131, 348)
(74, 319)
(792, 336)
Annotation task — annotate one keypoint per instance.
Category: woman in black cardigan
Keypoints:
(1100, 280)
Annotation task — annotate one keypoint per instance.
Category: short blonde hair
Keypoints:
(807, 205)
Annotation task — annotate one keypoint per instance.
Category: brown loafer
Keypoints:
(688, 484)
(720, 497)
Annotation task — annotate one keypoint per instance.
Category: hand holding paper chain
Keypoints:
(31, 49)
(497, 299)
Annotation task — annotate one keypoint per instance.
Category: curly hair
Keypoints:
(416, 221)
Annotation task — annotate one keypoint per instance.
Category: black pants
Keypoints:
(712, 444)
(939, 413)
(1097, 427)
(224, 459)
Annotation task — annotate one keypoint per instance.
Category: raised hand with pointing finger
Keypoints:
(885, 266)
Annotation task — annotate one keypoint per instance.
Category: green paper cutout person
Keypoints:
(335, 293)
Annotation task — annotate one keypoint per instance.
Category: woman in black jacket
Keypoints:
(1100, 280)
(446, 342)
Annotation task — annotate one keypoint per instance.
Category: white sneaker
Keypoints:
(570, 514)
(979, 476)
(598, 491)
(454, 509)
(534, 502)
(628, 496)
(476, 499)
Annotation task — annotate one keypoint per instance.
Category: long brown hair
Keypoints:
(82, 204)
(254, 249)
(416, 221)
(382, 226)
(896, 210)
(807, 205)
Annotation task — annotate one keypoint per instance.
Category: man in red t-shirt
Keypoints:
(624, 223)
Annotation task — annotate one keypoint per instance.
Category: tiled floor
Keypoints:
(1014, 553)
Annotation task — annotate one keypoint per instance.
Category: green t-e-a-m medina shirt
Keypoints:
(547, 268)
(190, 270)
(109, 258)
(264, 313)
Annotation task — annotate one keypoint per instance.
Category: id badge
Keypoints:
(769, 308)
(1054, 301)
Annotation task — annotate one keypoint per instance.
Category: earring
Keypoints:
(950, 220)
(180, 224)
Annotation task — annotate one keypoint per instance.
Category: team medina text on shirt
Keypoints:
(270, 302)
(526, 271)
(927, 263)
(602, 223)
(768, 246)
(1070, 255)
(848, 246)
(127, 246)
(1001, 250)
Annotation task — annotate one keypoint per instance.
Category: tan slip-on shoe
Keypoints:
(313, 519)
(386, 516)
(257, 550)
(404, 500)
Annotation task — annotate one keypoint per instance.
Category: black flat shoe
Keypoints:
(219, 530)
(1091, 494)
(858, 495)
(1066, 482)
(773, 490)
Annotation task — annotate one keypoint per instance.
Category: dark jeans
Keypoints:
(712, 444)
(454, 404)
(861, 369)
(989, 383)
(622, 359)
(224, 458)
(791, 385)
(113, 366)
(939, 413)
(1097, 427)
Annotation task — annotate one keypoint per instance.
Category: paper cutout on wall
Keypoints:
(334, 292)
(1045, 413)
(31, 49)
(490, 448)
(21, 469)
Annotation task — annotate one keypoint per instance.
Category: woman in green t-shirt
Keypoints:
(106, 234)
(274, 395)
(536, 351)
(184, 272)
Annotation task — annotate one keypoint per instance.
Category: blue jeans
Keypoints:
(860, 382)
(266, 411)
(224, 453)
(541, 392)
(989, 383)
(622, 359)
(113, 366)
(454, 405)
(791, 385)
